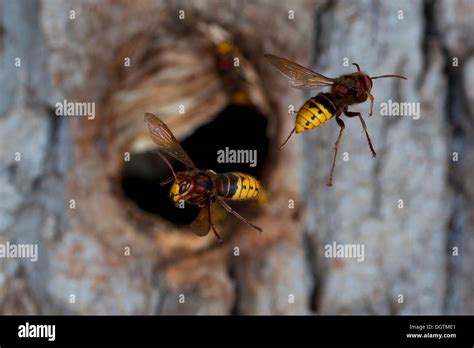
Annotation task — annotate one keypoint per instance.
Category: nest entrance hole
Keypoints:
(236, 127)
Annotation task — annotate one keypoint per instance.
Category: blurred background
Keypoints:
(86, 190)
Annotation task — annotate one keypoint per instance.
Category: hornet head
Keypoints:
(181, 189)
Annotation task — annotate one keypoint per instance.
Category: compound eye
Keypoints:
(183, 187)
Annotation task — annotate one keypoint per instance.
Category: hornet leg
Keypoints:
(364, 126)
(219, 239)
(237, 215)
(336, 146)
(289, 136)
(371, 104)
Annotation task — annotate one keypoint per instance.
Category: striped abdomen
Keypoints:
(237, 186)
(315, 112)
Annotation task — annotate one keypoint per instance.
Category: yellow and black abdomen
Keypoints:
(315, 112)
(237, 186)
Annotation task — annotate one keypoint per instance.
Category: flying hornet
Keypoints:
(200, 187)
(237, 81)
(346, 90)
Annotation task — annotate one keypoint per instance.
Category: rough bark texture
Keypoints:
(82, 251)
